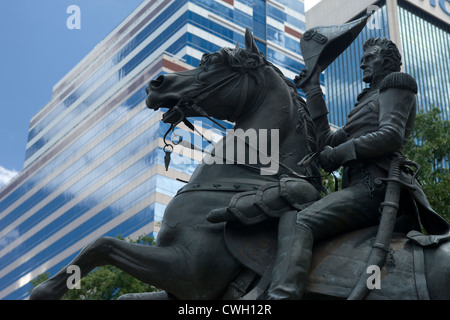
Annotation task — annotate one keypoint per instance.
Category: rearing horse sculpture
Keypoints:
(192, 258)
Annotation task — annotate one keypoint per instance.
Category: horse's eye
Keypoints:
(215, 58)
(210, 58)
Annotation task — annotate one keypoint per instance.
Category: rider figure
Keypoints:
(374, 134)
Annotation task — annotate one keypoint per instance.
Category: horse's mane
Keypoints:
(304, 115)
(245, 61)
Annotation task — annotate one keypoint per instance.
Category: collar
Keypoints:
(373, 86)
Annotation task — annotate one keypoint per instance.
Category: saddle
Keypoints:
(268, 201)
(336, 265)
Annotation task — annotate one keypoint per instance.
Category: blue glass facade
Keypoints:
(426, 55)
(94, 157)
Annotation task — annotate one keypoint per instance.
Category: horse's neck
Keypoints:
(271, 108)
(277, 111)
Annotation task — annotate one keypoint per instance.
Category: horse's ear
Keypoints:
(250, 44)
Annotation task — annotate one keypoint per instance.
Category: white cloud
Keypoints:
(10, 237)
(6, 175)
(310, 3)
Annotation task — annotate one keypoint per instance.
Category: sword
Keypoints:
(390, 206)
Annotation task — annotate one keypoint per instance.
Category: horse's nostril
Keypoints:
(158, 82)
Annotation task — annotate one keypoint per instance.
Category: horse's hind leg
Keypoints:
(153, 265)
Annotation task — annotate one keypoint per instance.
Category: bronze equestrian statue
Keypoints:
(199, 256)
(374, 135)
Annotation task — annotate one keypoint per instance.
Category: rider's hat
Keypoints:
(323, 44)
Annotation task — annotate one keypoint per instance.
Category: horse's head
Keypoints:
(241, 86)
(222, 86)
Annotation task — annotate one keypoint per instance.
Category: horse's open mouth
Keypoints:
(151, 104)
(155, 101)
(173, 115)
(176, 110)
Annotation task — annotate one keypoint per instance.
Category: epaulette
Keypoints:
(399, 80)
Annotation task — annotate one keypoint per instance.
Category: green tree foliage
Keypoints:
(105, 282)
(429, 146)
(331, 180)
(39, 279)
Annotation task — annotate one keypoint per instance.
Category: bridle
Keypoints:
(190, 101)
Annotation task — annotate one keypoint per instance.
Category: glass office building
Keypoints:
(94, 158)
(426, 56)
(421, 29)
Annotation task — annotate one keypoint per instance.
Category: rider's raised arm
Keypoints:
(319, 111)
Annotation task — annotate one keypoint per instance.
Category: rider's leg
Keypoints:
(293, 259)
(343, 211)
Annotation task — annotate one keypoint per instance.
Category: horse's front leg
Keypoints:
(146, 263)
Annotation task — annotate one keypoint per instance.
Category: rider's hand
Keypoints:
(331, 159)
(327, 159)
(313, 81)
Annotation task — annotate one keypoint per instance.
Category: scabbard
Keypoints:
(382, 242)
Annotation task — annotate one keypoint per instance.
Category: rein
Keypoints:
(190, 101)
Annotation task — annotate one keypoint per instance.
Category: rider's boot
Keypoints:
(292, 261)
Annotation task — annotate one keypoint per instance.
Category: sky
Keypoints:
(36, 50)
(310, 3)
